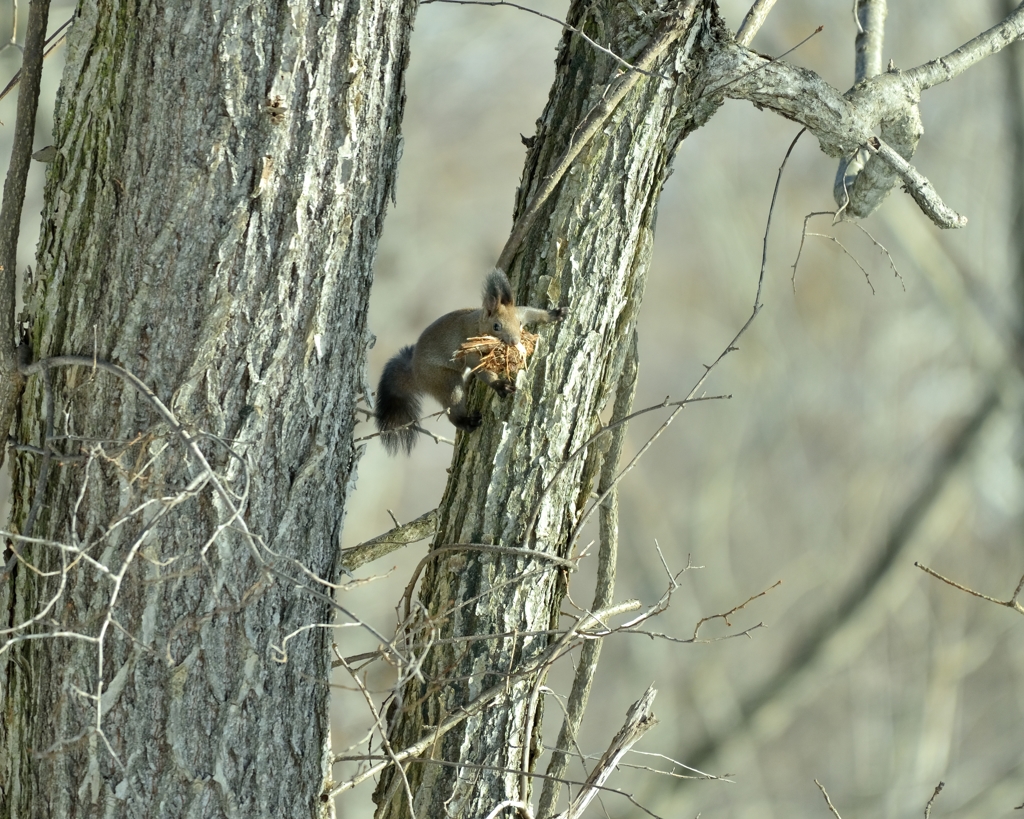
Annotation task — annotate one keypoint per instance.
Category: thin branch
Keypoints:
(1012, 603)
(475, 706)
(565, 26)
(11, 380)
(725, 615)
(928, 807)
(382, 729)
(415, 530)
(845, 250)
(838, 220)
(831, 807)
(698, 774)
(639, 720)
(753, 21)
(918, 187)
(53, 42)
(943, 69)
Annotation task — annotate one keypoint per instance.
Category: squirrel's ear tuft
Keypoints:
(497, 292)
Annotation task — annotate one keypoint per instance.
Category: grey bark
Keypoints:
(604, 587)
(590, 249)
(210, 224)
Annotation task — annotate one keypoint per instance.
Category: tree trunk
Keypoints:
(511, 484)
(210, 225)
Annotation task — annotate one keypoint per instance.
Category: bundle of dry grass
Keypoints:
(495, 355)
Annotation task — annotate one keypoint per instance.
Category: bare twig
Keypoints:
(480, 767)
(831, 807)
(725, 615)
(475, 706)
(697, 774)
(1012, 603)
(255, 543)
(837, 219)
(415, 530)
(928, 807)
(639, 720)
(565, 25)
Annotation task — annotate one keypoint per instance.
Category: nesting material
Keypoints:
(496, 356)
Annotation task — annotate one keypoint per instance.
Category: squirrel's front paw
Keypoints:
(558, 313)
(468, 422)
(504, 388)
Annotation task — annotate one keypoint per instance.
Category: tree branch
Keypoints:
(870, 35)
(986, 44)
(639, 720)
(753, 21)
(485, 698)
(415, 530)
(10, 212)
(918, 187)
(844, 123)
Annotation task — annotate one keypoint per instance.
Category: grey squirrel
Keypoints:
(429, 366)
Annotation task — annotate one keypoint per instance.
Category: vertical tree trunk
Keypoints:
(210, 225)
(590, 251)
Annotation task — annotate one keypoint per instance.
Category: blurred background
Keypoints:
(875, 421)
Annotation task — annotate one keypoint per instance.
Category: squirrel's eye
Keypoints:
(497, 326)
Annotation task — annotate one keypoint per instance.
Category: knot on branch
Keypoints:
(864, 179)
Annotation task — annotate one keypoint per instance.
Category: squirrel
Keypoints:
(429, 365)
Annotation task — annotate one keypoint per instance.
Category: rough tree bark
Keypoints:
(590, 250)
(210, 224)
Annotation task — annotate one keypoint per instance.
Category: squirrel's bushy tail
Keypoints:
(398, 404)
